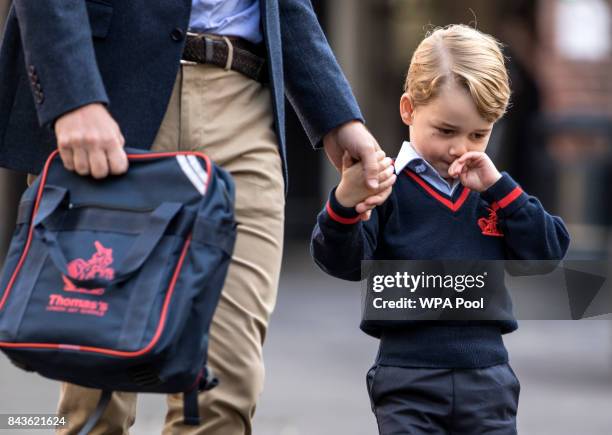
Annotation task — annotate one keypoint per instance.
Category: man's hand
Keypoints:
(355, 138)
(90, 142)
(475, 170)
(360, 144)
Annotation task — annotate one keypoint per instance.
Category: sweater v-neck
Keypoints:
(453, 202)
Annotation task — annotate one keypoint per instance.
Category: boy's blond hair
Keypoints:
(470, 58)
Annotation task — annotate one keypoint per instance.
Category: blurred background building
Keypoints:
(556, 140)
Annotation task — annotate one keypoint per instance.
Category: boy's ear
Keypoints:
(406, 109)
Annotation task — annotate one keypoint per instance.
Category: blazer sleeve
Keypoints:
(314, 83)
(59, 55)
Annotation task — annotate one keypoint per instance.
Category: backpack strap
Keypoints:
(95, 416)
(191, 413)
(206, 381)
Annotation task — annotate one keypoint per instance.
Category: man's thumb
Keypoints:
(347, 161)
(370, 165)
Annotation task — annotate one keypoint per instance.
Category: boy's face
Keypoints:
(446, 127)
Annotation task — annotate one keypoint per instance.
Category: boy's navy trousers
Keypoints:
(415, 401)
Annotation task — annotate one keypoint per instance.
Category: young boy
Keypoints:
(449, 202)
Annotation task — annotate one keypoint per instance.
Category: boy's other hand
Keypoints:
(90, 142)
(475, 170)
(353, 190)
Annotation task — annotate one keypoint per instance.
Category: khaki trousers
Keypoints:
(229, 117)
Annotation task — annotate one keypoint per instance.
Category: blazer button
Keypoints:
(177, 34)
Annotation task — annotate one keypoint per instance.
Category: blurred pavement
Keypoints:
(316, 360)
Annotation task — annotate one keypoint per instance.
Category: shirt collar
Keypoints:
(406, 155)
(409, 157)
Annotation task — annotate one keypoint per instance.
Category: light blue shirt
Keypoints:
(409, 157)
(227, 17)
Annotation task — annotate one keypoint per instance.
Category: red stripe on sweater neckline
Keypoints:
(454, 206)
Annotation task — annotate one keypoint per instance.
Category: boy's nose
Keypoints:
(457, 149)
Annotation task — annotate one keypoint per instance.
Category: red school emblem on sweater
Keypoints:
(488, 224)
(96, 267)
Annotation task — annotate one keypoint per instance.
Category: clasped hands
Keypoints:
(367, 174)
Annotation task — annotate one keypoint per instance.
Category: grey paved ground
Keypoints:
(316, 360)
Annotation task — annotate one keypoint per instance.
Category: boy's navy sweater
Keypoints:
(417, 222)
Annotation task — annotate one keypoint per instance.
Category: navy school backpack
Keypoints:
(112, 284)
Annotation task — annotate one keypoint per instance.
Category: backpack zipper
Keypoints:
(72, 206)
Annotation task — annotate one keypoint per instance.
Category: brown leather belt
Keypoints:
(244, 57)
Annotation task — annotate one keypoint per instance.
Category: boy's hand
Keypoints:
(352, 189)
(475, 170)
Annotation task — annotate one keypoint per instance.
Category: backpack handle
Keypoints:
(143, 246)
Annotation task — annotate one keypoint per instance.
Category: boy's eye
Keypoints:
(478, 136)
(445, 131)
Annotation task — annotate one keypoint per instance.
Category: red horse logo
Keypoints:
(488, 225)
(96, 267)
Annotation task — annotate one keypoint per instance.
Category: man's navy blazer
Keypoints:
(58, 55)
